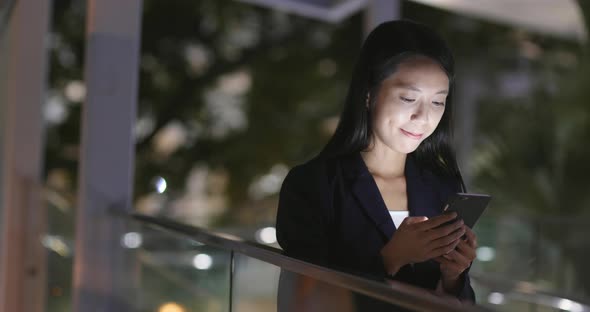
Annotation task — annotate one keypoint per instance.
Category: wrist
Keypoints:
(449, 277)
(450, 283)
(392, 262)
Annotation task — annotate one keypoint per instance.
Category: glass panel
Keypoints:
(517, 257)
(180, 274)
(255, 285)
(518, 299)
(259, 287)
(59, 241)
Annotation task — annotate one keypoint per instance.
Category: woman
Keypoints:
(389, 160)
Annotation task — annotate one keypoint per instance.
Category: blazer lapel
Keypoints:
(423, 199)
(365, 190)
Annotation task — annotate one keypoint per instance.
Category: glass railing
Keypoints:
(180, 274)
(184, 268)
(532, 263)
(522, 264)
(59, 240)
(507, 295)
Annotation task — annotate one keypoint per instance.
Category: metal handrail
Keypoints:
(396, 293)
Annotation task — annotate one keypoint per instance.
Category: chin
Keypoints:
(407, 149)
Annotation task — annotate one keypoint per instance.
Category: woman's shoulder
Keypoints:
(308, 171)
(316, 174)
(320, 167)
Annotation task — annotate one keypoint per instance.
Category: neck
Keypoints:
(384, 162)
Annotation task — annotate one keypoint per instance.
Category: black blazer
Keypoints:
(331, 213)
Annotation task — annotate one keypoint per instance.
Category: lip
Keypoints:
(411, 135)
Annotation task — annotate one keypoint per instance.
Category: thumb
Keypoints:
(412, 220)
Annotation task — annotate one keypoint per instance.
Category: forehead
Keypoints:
(418, 73)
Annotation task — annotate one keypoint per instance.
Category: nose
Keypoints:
(420, 113)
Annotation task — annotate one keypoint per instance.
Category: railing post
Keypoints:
(23, 216)
(379, 11)
(105, 273)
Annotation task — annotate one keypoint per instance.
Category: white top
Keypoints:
(398, 216)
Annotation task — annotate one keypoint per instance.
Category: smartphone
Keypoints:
(469, 207)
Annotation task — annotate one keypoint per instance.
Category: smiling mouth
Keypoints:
(411, 135)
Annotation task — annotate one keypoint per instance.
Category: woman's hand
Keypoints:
(418, 239)
(457, 261)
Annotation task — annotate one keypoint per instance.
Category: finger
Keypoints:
(414, 220)
(444, 230)
(447, 239)
(436, 252)
(436, 221)
(454, 258)
(442, 260)
(471, 237)
(448, 265)
(466, 250)
(452, 267)
(458, 258)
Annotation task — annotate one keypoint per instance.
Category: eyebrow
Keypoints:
(413, 88)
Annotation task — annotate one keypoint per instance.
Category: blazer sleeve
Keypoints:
(465, 292)
(301, 224)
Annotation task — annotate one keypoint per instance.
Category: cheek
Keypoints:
(436, 118)
(392, 114)
(381, 115)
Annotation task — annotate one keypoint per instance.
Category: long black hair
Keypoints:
(385, 48)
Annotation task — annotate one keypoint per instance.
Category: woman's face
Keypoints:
(409, 105)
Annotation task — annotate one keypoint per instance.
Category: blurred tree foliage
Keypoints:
(294, 71)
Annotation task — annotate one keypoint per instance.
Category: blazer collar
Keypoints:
(421, 198)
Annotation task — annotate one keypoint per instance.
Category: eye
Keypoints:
(439, 103)
(407, 100)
